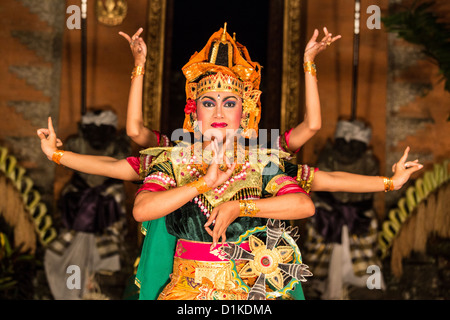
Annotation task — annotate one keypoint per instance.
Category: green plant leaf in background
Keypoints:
(418, 24)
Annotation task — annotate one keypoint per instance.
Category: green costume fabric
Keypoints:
(156, 262)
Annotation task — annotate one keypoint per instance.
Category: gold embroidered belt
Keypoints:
(202, 274)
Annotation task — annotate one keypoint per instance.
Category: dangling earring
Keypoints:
(244, 123)
(195, 126)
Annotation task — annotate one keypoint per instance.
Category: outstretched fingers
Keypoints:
(47, 133)
(335, 38)
(327, 36)
(126, 36)
(209, 223)
(402, 162)
(413, 166)
(133, 37)
(137, 34)
(219, 229)
(314, 36)
(403, 169)
(405, 155)
(50, 126)
(231, 168)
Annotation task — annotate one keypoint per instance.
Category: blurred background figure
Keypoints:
(93, 213)
(342, 236)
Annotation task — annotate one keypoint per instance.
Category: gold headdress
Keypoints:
(225, 65)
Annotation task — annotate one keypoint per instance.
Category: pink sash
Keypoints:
(201, 251)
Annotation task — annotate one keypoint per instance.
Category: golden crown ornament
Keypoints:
(225, 65)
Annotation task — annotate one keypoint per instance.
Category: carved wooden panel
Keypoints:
(153, 82)
(292, 65)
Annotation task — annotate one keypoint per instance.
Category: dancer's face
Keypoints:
(219, 112)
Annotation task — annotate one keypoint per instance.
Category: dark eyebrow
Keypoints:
(233, 97)
(208, 97)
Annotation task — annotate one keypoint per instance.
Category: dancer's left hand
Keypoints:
(404, 169)
(222, 216)
(314, 47)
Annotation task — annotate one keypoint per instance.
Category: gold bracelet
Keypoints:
(200, 185)
(388, 184)
(137, 71)
(247, 208)
(309, 66)
(57, 155)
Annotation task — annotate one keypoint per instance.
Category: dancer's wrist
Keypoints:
(57, 155)
(139, 63)
(201, 185)
(137, 71)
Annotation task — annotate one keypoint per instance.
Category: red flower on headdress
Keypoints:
(191, 106)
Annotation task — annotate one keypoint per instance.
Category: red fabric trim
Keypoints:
(287, 135)
(153, 187)
(291, 188)
(158, 136)
(134, 163)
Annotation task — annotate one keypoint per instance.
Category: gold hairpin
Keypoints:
(223, 38)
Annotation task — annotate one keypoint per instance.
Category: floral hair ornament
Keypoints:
(189, 109)
(225, 65)
(191, 106)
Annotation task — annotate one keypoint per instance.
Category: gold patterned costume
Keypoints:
(175, 166)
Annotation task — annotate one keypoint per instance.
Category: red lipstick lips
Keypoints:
(218, 124)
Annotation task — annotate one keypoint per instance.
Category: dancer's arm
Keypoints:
(97, 165)
(150, 205)
(291, 206)
(348, 182)
(135, 127)
(312, 121)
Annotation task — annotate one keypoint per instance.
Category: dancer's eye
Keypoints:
(208, 104)
(229, 104)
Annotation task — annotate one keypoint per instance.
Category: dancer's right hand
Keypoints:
(49, 141)
(403, 170)
(214, 176)
(138, 47)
